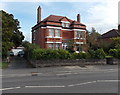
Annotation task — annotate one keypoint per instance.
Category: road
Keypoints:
(67, 79)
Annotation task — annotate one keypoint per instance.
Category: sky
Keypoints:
(100, 14)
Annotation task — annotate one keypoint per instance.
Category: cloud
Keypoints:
(104, 16)
(2, 5)
(101, 14)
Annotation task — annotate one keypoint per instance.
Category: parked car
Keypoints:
(21, 53)
(11, 53)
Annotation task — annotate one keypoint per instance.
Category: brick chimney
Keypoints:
(38, 14)
(78, 17)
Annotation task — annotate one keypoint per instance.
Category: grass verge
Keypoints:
(4, 65)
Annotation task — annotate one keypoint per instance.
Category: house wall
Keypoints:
(42, 34)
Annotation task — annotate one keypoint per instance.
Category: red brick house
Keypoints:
(114, 33)
(56, 31)
(106, 37)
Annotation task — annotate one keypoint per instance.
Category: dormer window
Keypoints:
(65, 24)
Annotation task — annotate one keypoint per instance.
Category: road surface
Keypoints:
(66, 79)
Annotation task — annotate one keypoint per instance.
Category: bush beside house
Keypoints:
(115, 53)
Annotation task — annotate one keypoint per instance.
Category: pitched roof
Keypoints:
(56, 18)
(110, 34)
(53, 18)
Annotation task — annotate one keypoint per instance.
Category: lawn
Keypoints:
(3, 65)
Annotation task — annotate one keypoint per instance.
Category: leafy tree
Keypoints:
(11, 36)
(91, 39)
(29, 47)
(71, 46)
(116, 43)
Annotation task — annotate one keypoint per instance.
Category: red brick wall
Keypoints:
(41, 34)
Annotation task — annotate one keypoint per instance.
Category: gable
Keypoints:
(64, 19)
(110, 34)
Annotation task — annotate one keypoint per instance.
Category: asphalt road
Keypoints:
(68, 79)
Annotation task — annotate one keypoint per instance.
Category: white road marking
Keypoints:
(81, 83)
(78, 84)
(9, 88)
(108, 80)
(18, 75)
(43, 86)
(64, 74)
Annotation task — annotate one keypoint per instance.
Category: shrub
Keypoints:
(50, 54)
(100, 54)
(29, 49)
(63, 54)
(115, 53)
(80, 55)
(118, 53)
(91, 53)
(38, 54)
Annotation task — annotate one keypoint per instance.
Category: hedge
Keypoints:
(97, 54)
(115, 53)
(46, 54)
(50, 54)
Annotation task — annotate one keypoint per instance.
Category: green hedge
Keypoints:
(34, 52)
(115, 53)
(80, 55)
(45, 54)
(97, 54)
(50, 54)
(100, 54)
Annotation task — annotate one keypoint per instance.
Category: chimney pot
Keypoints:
(38, 14)
(78, 18)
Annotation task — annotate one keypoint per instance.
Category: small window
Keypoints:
(34, 31)
(57, 46)
(77, 34)
(63, 24)
(34, 35)
(51, 32)
(67, 25)
(57, 33)
(51, 46)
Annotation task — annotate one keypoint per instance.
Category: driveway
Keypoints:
(18, 63)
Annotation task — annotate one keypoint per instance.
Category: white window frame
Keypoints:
(66, 24)
(34, 35)
(63, 24)
(57, 46)
(79, 35)
(52, 45)
(56, 32)
(52, 34)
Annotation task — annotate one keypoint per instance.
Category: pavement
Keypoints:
(66, 79)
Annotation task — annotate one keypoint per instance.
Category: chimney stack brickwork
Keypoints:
(78, 17)
(38, 14)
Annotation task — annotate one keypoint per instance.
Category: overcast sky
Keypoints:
(100, 14)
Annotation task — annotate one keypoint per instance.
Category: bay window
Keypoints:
(51, 32)
(51, 46)
(57, 46)
(79, 34)
(57, 33)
